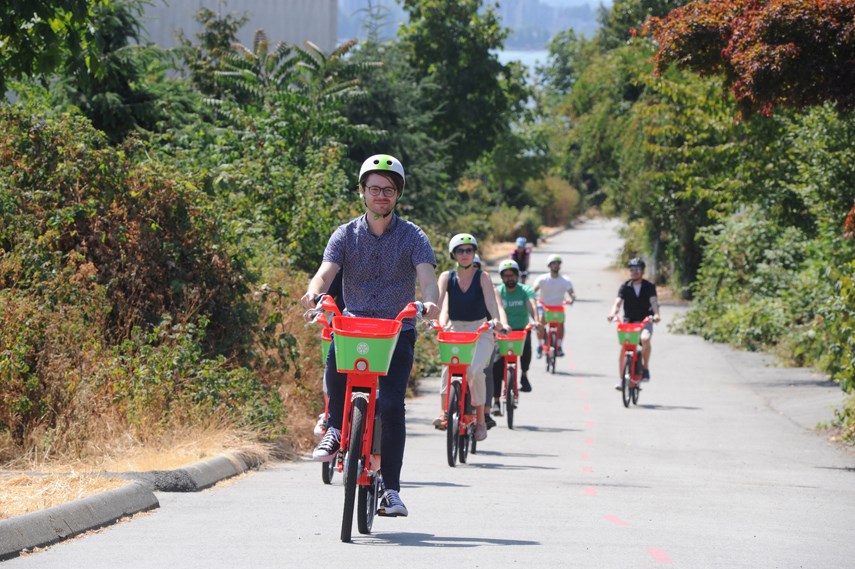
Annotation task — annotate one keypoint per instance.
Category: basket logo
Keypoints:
(455, 350)
(362, 348)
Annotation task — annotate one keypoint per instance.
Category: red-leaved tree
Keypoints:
(772, 53)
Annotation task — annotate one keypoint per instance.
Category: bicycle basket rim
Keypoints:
(356, 327)
(449, 337)
(513, 336)
(553, 307)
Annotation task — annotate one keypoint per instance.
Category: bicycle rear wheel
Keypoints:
(366, 505)
(352, 465)
(510, 396)
(625, 382)
(452, 414)
(553, 351)
(463, 442)
(635, 392)
(327, 471)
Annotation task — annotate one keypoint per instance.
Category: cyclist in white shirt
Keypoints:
(551, 288)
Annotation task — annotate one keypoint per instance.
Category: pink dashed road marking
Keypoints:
(586, 407)
(580, 380)
(589, 424)
(590, 491)
(659, 555)
(583, 393)
(585, 456)
(617, 521)
(589, 441)
(587, 469)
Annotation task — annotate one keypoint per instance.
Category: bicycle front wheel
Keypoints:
(352, 461)
(510, 396)
(626, 381)
(452, 414)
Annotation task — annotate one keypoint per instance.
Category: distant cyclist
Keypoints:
(639, 300)
(518, 300)
(381, 256)
(551, 288)
(468, 299)
(521, 256)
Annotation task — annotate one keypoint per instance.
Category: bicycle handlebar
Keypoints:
(618, 319)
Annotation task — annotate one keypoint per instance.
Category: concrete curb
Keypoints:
(40, 529)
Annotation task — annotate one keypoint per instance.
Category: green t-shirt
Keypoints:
(515, 303)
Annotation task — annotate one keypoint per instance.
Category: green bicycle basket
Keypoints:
(553, 313)
(512, 344)
(457, 347)
(629, 333)
(364, 345)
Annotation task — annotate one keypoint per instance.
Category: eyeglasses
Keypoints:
(388, 191)
(464, 250)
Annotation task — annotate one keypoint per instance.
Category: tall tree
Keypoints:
(105, 80)
(772, 53)
(454, 44)
(37, 36)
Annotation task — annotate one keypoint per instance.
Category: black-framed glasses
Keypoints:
(388, 191)
(464, 250)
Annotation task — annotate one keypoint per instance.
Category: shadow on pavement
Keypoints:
(545, 429)
(515, 454)
(432, 540)
(434, 484)
(669, 407)
(510, 466)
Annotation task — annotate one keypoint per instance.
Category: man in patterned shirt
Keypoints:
(381, 256)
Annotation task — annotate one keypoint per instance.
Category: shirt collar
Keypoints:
(363, 223)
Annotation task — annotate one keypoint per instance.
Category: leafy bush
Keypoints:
(559, 202)
(506, 223)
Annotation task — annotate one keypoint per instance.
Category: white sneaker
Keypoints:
(497, 409)
(391, 505)
(320, 426)
(329, 445)
(480, 432)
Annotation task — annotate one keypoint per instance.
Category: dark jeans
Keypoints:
(499, 366)
(390, 405)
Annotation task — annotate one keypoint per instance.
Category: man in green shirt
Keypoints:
(519, 302)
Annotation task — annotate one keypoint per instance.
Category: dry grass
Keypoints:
(33, 486)
(22, 494)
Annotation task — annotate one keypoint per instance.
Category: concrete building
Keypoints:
(293, 21)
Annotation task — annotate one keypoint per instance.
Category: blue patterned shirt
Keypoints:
(379, 272)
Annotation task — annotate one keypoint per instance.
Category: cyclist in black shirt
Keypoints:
(638, 298)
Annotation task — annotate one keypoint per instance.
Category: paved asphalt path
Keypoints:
(718, 466)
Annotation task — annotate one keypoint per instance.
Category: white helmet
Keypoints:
(477, 260)
(509, 265)
(521, 241)
(461, 239)
(383, 163)
(552, 259)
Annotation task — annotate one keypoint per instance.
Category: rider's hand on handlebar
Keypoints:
(656, 318)
(431, 311)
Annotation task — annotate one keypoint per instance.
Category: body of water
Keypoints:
(530, 59)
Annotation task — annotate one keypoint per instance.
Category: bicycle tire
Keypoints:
(351, 465)
(327, 471)
(553, 349)
(452, 414)
(510, 396)
(625, 382)
(366, 504)
(473, 448)
(635, 392)
(463, 442)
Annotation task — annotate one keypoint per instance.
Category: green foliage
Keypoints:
(36, 36)
(161, 378)
(507, 223)
(453, 44)
(558, 201)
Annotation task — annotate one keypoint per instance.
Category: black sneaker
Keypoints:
(391, 505)
(560, 353)
(525, 386)
(490, 421)
(645, 375)
(329, 445)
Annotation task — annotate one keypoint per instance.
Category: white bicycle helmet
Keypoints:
(477, 260)
(383, 163)
(512, 265)
(521, 241)
(461, 239)
(552, 259)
